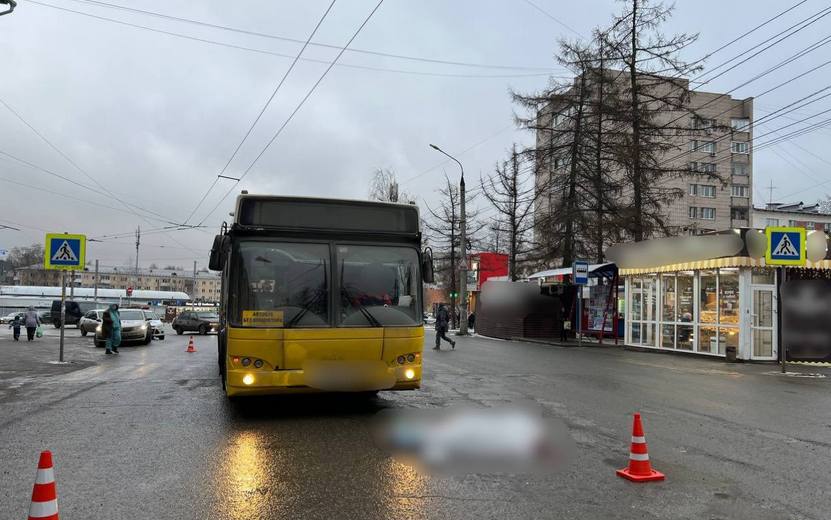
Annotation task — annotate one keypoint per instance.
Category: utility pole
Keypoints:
(770, 190)
(462, 245)
(193, 293)
(95, 290)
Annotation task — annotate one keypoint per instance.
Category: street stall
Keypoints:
(602, 298)
(718, 295)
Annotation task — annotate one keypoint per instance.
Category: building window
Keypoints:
(740, 124)
(739, 168)
(702, 167)
(771, 222)
(739, 190)
(738, 213)
(703, 190)
(740, 147)
(700, 123)
(703, 213)
(703, 146)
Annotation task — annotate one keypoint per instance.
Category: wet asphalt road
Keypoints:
(148, 434)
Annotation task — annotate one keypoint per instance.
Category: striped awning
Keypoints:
(733, 261)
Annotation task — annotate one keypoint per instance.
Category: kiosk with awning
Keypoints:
(716, 295)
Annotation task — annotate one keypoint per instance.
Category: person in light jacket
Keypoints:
(31, 320)
(111, 329)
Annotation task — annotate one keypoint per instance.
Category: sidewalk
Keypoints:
(573, 342)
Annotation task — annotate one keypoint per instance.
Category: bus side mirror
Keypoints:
(427, 274)
(217, 259)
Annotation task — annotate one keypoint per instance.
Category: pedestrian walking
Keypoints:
(565, 323)
(111, 329)
(31, 320)
(15, 326)
(442, 326)
(471, 321)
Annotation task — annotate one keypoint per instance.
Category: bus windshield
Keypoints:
(290, 284)
(378, 285)
(290, 280)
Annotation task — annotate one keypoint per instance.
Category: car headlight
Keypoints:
(98, 328)
(143, 326)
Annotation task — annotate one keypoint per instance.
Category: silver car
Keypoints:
(90, 321)
(156, 325)
(135, 328)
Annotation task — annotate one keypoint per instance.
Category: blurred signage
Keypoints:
(129, 291)
(4, 253)
(580, 272)
(806, 319)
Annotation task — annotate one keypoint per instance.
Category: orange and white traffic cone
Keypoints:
(639, 469)
(44, 495)
(191, 346)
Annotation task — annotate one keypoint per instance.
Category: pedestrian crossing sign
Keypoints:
(63, 251)
(786, 246)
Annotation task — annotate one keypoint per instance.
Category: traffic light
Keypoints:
(454, 294)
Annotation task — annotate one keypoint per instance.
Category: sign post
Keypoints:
(785, 247)
(64, 252)
(580, 277)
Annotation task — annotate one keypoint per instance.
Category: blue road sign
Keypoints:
(64, 251)
(580, 272)
(786, 246)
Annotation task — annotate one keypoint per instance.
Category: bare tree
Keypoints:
(653, 106)
(512, 192)
(24, 256)
(442, 229)
(384, 187)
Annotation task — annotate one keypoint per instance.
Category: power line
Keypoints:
(314, 44)
(552, 17)
(81, 185)
(807, 21)
(296, 109)
(262, 110)
(75, 165)
(289, 56)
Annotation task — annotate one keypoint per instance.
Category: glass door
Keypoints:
(763, 323)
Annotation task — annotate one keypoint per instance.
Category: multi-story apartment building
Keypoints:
(813, 217)
(709, 145)
(207, 283)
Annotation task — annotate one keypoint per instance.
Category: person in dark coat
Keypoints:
(471, 321)
(15, 326)
(31, 320)
(563, 322)
(442, 326)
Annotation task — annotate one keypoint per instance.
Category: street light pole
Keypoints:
(463, 245)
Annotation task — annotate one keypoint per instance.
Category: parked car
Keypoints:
(429, 319)
(202, 322)
(135, 328)
(156, 325)
(72, 314)
(8, 318)
(90, 321)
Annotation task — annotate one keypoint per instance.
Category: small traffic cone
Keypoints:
(191, 346)
(44, 496)
(639, 469)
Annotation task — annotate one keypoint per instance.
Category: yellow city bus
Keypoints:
(320, 295)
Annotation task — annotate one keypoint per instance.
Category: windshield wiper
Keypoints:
(368, 315)
(294, 319)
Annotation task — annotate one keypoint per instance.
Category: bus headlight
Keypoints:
(258, 363)
(400, 360)
(246, 361)
(248, 379)
(409, 373)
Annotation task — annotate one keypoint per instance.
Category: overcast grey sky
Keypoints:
(153, 117)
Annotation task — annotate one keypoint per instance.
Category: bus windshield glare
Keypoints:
(371, 285)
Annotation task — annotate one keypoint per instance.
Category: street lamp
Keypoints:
(463, 241)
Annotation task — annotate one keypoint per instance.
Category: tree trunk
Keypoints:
(637, 173)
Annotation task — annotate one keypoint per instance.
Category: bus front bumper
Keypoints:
(325, 377)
